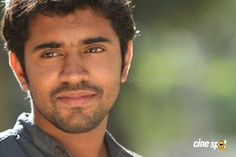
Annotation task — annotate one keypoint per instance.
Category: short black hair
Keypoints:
(18, 13)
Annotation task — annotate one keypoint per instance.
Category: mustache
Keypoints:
(84, 85)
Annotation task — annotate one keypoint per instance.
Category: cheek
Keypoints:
(106, 71)
(41, 79)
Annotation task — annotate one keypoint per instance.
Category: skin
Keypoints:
(73, 58)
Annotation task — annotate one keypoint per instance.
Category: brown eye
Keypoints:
(95, 50)
(50, 54)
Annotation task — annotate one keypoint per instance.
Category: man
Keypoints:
(70, 56)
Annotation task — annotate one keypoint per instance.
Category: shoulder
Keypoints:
(9, 146)
(5, 135)
(14, 133)
(115, 149)
(7, 138)
(133, 154)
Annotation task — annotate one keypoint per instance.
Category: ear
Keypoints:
(127, 61)
(17, 70)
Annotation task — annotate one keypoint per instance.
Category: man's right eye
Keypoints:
(50, 54)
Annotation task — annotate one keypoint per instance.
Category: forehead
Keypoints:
(79, 24)
(85, 15)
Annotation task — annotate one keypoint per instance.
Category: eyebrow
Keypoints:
(48, 45)
(86, 41)
(95, 40)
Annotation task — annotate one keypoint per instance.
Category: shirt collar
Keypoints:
(50, 146)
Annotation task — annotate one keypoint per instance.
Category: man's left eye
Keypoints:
(95, 50)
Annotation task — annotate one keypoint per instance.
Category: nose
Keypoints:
(74, 70)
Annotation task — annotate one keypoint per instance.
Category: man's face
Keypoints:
(73, 66)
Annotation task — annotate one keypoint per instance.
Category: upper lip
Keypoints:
(76, 94)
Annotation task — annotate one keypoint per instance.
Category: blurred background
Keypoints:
(181, 86)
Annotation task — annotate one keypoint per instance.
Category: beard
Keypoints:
(77, 119)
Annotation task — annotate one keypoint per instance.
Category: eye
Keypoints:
(50, 54)
(95, 50)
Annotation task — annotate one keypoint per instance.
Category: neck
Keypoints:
(89, 144)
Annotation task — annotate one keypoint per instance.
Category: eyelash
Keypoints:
(50, 54)
(55, 54)
(95, 50)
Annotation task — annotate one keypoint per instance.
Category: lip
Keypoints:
(76, 98)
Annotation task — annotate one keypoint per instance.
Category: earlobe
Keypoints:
(17, 70)
(128, 59)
